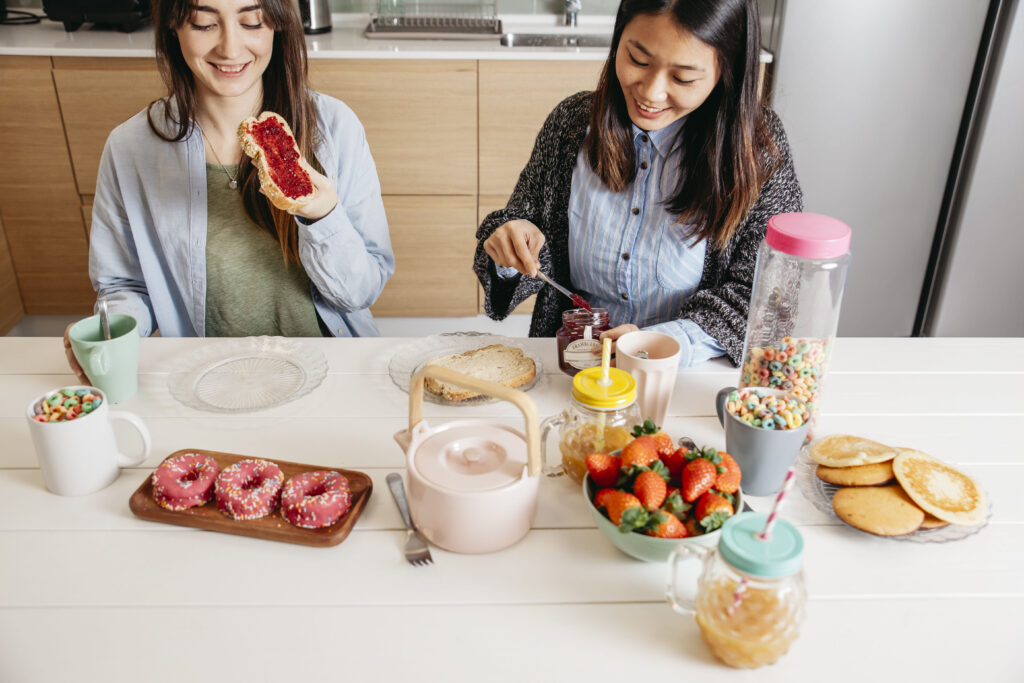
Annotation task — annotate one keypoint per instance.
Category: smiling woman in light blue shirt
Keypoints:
(650, 195)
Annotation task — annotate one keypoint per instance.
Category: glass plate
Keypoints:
(820, 493)
(246, 374)
(408, 359)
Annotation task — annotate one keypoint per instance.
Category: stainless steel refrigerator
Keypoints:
(906, 120)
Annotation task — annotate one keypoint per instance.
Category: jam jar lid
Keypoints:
(742, 547)
(619, 393)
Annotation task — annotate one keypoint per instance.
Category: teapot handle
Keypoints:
(500, 391)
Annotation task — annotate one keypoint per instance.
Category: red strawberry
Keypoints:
(675, 462)
(729, 480)
(675, 504)
(666, 525)
(641, 451)
(665, 445)
(651, 489)
(692, 527)
(625, 510)
(603, 468)
(602, 496)
(698, 477)
(713, 510)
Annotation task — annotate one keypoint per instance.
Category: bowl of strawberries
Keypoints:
(650, 494)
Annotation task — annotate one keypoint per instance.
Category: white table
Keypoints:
(89, 592)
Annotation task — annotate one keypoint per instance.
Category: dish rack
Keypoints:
(434, 21)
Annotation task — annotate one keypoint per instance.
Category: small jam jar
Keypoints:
(598, 419)
(750, 595)
(579, 339)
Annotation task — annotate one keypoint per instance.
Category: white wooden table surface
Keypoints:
(88, 592)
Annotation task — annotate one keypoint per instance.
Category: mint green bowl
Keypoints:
(641, 546)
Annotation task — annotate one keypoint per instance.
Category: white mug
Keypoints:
(81, 456)
(655, 375)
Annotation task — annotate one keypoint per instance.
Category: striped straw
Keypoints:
(765, 534)
(606, 361)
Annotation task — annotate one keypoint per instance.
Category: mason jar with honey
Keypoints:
(750, 595)
(598, 419)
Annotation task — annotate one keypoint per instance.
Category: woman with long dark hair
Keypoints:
(182, 237)
(650, 195)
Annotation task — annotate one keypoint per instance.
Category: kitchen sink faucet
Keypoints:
(572, 8)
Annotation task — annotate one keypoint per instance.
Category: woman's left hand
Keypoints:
(618, 331)
(325, 201)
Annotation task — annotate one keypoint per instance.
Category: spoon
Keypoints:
(576, 299)
(104, 320)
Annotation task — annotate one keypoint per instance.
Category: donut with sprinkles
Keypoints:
(249, 489)
(184, 481)
(314, 500)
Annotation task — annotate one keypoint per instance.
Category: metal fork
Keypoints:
(416, 550)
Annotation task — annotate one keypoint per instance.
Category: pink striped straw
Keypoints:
(765, 535)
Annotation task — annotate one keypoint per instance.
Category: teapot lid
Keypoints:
(741, 546)
(620, 392)
(470, 457)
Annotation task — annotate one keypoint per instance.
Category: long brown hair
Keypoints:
(728, 149)
(285, 91)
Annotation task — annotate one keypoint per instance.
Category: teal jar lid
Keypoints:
(781, 555)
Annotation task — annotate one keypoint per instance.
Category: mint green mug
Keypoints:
(111, 365)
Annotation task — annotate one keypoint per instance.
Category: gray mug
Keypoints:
(764, 455)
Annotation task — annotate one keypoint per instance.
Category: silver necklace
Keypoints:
(232, 179)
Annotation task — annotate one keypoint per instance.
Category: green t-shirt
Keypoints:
(249, 288)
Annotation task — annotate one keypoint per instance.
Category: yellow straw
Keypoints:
(606, 361)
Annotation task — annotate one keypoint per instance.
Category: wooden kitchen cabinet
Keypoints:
(420, 119)
(515, 99)
(39, 203)
(11, 308)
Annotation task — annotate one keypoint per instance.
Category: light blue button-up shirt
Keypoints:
(147, 250)
(627, 252)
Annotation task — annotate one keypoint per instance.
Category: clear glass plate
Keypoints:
(245, 374)
(820, 493)
(408, 359)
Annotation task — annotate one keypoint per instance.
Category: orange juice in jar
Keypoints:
(598, 419)
(750, 595)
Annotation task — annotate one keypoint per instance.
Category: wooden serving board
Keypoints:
(273, 527)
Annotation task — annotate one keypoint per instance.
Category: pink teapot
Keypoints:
(472, 485)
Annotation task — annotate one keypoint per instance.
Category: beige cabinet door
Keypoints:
(432, 238)
(515, 99)
(39, 203)
(419, 116)
(96, 95)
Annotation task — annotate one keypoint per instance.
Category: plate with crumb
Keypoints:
(485, 356)
(896, 493)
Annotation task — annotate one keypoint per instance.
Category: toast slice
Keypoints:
(284, 174)
(497, 363)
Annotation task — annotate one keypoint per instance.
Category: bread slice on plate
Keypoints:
(843, 450)
(940, 489)
(284, 174)
(497, 363)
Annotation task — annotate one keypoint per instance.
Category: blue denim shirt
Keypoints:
(147, 246)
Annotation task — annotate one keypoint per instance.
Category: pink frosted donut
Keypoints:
(315, 499)
(249, 489)
(184, 481)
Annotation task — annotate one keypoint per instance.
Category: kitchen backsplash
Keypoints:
(603, 7)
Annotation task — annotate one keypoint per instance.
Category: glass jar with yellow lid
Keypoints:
(598, 419)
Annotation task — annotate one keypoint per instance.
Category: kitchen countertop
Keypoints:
(345, 41)
(89, 592)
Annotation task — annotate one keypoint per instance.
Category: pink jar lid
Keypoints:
(808, 235)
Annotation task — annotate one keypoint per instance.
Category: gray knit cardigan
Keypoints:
(541, 196)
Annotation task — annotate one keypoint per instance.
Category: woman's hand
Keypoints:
(326, 198)
(72, 361)
(516, 244)
(618, 331)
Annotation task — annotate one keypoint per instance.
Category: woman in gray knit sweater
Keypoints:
(650, 195)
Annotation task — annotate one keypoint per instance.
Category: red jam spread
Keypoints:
(579, 338)
(282, 158)
(579, 302)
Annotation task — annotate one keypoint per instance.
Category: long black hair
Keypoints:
(729, 151)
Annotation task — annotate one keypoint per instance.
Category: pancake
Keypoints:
(879, 510)
(875, 474)
(940, 489)
(844, 450)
